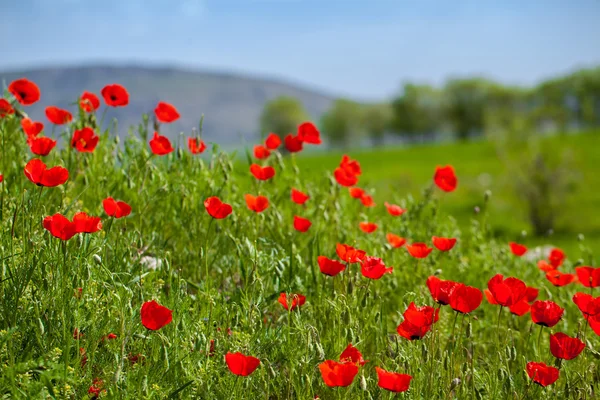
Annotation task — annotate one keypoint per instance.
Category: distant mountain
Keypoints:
(231, 103)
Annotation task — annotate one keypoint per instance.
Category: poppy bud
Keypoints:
(581, 237)
(477, 210)
(487, 194)
(579, 262)
(80, 240)
(513, 353)
(437, 272)
(320, 352)
(469, 330)
(455, 382)
(524, 233)
(425, 352)
(363, 383)
(97, 259)
(40, 326)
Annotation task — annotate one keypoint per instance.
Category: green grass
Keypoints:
(226, 274)
(394, 173)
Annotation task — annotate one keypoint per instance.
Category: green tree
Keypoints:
(465, 102)
(416, 111)
(282, 115)
(342, 123)
(376, 120)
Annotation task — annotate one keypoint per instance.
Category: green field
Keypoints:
(74, 319)
(394, 173)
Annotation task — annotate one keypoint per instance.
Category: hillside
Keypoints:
(230, 103)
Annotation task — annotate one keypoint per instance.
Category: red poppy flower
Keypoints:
(336, 374)
(374, 268)
(440, 290)
(257, 203)
(367, 201)
(356, 192)
(293, 144)
(5, 108)
(262, 173)
(395, 241)
(110, 336)
(86, 224)
(558, 278)
(349, 254)
(31, 128)
(392, 381)
(418, 250)
(541, 373)
(367, 227)
(273, 141)
(154, 316)
(344, 178)
(422, 315)
(84, 140)
(545, 266)
(216, 208)
(443, 244)
(520, 308)
(59, 226)
(25, 91)
(58, 116)
(301, 224)
(546, 313)
(196, 145)
(117, 209)
(517, 249)
(1, 178)
(298, 300)
(556, 257)
(587, 304)
(166, 113)
(330, 267)
(394, 209)
(40, 145)
(351, 354)
(298, 197)
(445, 178)
(506, 292)
(160, 145)
(89, 102)
(36, 172)
(308, 133)
(531, 294)
(412, 332)
(565, 347)
(261, 152)
(588, 276)
(350, 165)
(465, 299)
(595, 324)
(240, 364)
(115, 95)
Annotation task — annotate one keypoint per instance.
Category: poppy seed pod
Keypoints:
(97, 259)
(363, 383)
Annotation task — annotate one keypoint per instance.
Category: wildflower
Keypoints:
(31, 128)
(240, 364)
(196, 145)
(262, 173)
(308, 133)
(336, 374)
(367, 227)
(506, 292)
(565, 347)
(37, 172)
(517, 249)
(299, 197)
(546, 313)
(58, 116)
(40, 145)
(351, 354)
(374, 268)
(445, 178)
(273, 141)
(115, 95)
(89, 102)
(541, 373)
(25, 91)
(257, 204)
(330, 267)
(160, 145)
(443, 244)
(166, 113)
(293, 144)
(59, 226)
(301, 224)
(117, 209)
(86, 224)
(349, 254)
(440, 290)
(394, 382)
(297, 301)
(588, 276)
(261, 152)
(154, 316)
(395, 241)
(465, 299)
(216, 208)
(84, 140)
(394, 210)
(418, 250)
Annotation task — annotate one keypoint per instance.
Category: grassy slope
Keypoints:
(395, 172)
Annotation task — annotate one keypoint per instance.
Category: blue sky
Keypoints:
(358, 48)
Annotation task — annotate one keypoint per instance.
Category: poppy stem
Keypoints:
(498, 327)
(539, 340)
(206, 285)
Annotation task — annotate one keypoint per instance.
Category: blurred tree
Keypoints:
(342, 123)
(416, 112)
(282, 115)
(464, 106)
(376, 120)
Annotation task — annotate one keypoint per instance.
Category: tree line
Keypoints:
(462, 109)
